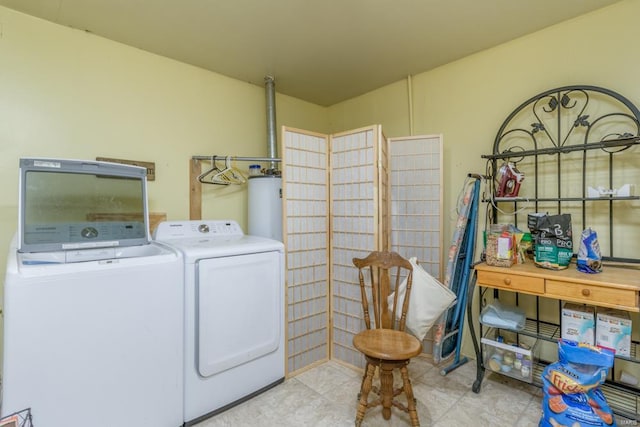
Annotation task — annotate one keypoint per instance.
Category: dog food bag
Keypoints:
(553, 245)
(571, 387)
(589, 255)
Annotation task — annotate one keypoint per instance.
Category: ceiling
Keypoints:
(321, 51)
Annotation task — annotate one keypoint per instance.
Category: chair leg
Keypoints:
(386, 389)
(363, 396)
(411, 401)
(364, 378)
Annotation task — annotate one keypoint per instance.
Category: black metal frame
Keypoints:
(557, 122)
(586, 118)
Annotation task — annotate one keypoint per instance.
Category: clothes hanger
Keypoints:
(204, 177)
(239, 176)
(229, 175)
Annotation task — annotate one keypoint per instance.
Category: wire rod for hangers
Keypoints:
(237, 159)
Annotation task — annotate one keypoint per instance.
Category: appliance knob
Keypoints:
(89, 233)
(203, 228)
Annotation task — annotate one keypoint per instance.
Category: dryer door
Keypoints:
(239, 314)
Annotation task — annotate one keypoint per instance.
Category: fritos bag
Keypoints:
(571, 387)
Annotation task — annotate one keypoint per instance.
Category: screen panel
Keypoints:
(306, 230)
(416, 204)
(355, 195)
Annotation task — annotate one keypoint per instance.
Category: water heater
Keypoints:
(265, 206)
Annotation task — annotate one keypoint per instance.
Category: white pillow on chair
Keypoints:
(428, 300)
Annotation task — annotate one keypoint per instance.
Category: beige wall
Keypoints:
(467, 100)
(69, 94)
(66, 93)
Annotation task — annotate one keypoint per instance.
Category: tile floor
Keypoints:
(325, 396)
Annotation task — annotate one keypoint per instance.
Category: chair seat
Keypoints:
(387, 344)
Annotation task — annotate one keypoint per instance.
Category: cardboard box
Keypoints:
(613, 330)
(578, 323)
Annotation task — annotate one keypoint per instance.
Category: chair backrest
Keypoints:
(386, 271)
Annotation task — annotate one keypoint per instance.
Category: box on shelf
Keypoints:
(503, 355)
(613, 330)
(578, 323)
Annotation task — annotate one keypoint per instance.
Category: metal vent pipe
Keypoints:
(271, 121)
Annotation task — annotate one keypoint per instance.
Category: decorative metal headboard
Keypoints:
(557, 138)
(558, 115)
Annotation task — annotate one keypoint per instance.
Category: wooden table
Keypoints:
(614, 287)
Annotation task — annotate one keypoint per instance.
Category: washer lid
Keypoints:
(70, 204)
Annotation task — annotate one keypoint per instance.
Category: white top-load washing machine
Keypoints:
(96, 343)
(93, 310)
(234, 313)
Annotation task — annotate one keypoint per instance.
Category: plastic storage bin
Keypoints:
(501, 354)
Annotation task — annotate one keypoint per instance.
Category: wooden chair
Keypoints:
(384, 343)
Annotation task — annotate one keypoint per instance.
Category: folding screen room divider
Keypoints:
(344, 196)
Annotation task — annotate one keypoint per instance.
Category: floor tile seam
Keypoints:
(323, 391)
(330, 370)
(335, 406)
(327, 393)
(483, 410)
(440, 381)
(523, 412)
(446, 412)
(512, 389)
(280, 412)
(516, 415)
(517, 400)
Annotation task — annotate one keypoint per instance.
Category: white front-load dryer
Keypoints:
(234, 313)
